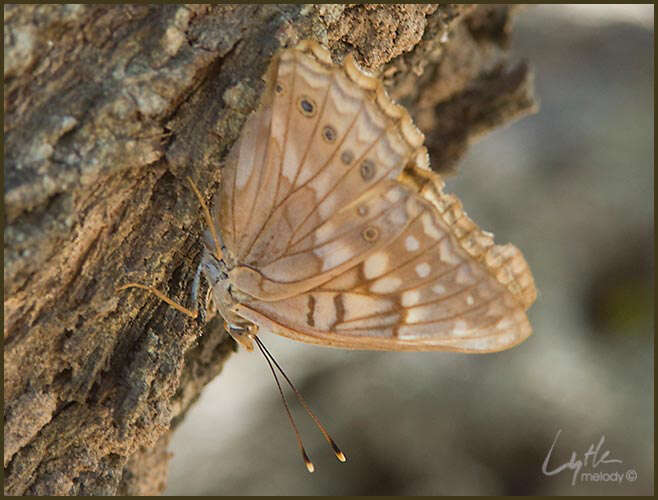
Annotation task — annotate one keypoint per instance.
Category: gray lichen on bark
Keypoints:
(107, 109)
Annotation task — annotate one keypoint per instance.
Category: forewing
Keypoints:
(325, 141)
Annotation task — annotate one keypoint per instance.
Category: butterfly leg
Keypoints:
(192, 313)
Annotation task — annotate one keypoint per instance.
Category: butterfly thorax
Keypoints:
(226, 296)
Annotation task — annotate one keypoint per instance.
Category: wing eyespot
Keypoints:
(362, 210)
(367, 170)
(370, 234)
(279, 89)
(329, 133)
(307, 106)
(347, 157)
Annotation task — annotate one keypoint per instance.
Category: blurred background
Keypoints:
(571, 186)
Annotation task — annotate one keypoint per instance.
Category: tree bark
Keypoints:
(107, 109)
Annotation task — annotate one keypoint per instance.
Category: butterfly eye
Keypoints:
(329, 133)
(362, 210)
(370, 234)
(346, 157)
(279, 88)
(367, 170)
(307, 106)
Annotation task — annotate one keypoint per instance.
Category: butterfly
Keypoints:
(331, 229)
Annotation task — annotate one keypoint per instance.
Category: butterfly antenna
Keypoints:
(339, 454)
(209, 222)
(307, 461)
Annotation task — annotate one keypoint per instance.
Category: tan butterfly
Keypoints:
(330, 229)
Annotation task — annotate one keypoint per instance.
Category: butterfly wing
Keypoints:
(441, 284)
(325, 144)
(341, 235)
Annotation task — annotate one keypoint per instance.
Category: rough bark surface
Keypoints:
(107, 109)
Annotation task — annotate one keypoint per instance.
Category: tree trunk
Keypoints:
(107, 109)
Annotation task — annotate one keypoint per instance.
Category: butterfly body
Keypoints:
(334, 231)
(216, 267)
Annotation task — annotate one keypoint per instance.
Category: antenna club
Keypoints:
(307, 461)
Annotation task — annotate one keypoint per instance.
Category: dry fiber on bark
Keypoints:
(107, 109)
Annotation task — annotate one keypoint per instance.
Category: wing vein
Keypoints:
(461, 313)
(261, 174)
(404, 263)
(381, 214)
(457, 339)
(428, 280)
(315, 129)
(308, 147)
(285, 144)
(402, 308)
(382, 179)
(349, 129)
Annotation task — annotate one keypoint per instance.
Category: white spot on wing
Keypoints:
(460, 329)
(483, 344)
(439, 289)
(242, 176)
(415, 315)
(505, 339)
(394, 195)
(324, 232)
(290, 164)
(423, 270)
(325, 311)
(375, 265)
(410, 298)
(411, 244)
(446, 252)
(327, 207)
(429, 228)
(469, 300)
(333, 255)
(506, 323)
(357, 306)
(387, 284)
(398, 216)
(463, 276)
